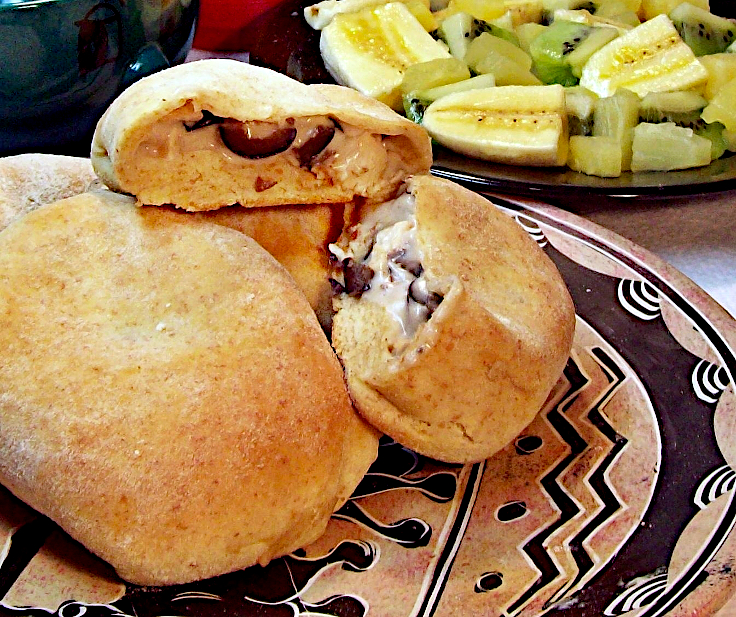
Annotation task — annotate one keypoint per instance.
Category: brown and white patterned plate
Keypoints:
(617, 500)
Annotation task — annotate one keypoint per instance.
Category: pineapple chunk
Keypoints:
(487, 43)
(433, 73)
(580, 104)
(424, 16)
(618, 6)
(487, 10)
(650, 58)
(505, 21)
(581, 16)
(521, 125)
(509, 64)
(370, 50)
(651, 8)
(474, 83)
(729, 139)
(722, 107)
(524, 11)
(666, 146)
(528, 32)
(595, 156)
(550, 6)
(721, 69)
(620, 11)
(615, 117)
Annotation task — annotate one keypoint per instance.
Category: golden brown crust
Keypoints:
(168, 396)
(298, 238)
(28, 181)
(207, 178)
(480, 369)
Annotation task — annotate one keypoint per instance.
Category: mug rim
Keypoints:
(10, 5)
(7, 6)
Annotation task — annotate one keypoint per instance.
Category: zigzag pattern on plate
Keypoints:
(569, 508)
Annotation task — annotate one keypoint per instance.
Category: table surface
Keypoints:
(696, 235)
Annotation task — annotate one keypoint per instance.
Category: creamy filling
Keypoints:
(383, 265)
(317, 143)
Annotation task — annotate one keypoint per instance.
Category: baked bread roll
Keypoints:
(167, 395)
(453, 325)
(298, 237)
(214, 133)
(28, 181)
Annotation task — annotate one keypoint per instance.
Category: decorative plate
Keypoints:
(617, 500)
(281, 39)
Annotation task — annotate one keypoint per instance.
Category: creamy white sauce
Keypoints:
(387, 243)
(351, 152)
(391, 280)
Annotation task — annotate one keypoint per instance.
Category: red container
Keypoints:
(220, 21)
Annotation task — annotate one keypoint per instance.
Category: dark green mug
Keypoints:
(63, 61)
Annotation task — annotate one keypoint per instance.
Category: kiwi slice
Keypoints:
(479, 27)
(455, 32)
(415, 103)
(580, 105)
(598, 38)
(562, 41)
(415, 106)
(460, 29)
(683, 109)
(704, 32)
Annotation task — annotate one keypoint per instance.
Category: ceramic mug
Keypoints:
(63, 61)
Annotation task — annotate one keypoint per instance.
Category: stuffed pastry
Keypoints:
(452, 324)
(214, 133)
(167, 395)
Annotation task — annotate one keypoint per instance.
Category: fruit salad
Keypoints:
(602, 86)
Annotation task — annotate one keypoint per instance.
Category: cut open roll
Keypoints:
(215, 133)
(452, 325)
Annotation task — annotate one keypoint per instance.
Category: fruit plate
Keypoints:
(280, 39)
(618, 499)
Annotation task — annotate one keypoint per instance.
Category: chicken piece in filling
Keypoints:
(382, 264)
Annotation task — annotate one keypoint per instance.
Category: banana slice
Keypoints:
(320, 14)
(369, 50)
(650, 58)
(521, 125)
